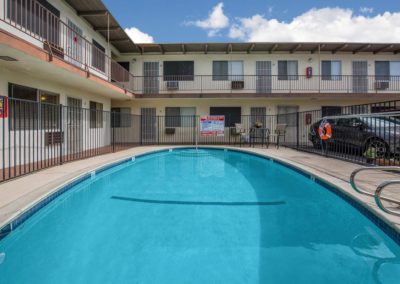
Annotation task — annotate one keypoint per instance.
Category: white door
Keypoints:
(74, 48)
(288, 115)
(263, 77)
(151, 77)
(360, 76)
(74, 133)
(148, 125)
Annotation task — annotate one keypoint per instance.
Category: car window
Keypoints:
(350, 122)
(381, 122)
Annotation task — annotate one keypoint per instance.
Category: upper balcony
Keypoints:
(42, 27)
(263, 85)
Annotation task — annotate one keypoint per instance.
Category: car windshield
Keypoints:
(382, 121)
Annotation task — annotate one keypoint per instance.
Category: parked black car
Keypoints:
(361, 134)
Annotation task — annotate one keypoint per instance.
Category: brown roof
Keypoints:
(96, 13)
(269, 47)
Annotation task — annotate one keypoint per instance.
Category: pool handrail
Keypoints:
(378, 198)
(357, 171)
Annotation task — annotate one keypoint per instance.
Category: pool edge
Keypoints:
(378, 218)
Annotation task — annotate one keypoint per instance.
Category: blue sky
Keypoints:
(257, 20)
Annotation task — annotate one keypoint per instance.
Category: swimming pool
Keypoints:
(213, 217)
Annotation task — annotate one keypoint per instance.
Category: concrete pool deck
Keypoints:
(19, 194)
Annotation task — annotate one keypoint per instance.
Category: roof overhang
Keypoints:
(102, 21)
(268, 47)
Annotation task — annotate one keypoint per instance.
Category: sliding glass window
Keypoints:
(331, 70)
(228, 71)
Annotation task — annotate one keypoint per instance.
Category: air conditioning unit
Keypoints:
(170, 130)
(381, 85)
(173, 85)
(237, 85)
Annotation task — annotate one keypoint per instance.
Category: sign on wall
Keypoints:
(3, 107)
(212, 125)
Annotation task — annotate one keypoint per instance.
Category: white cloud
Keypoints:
(326, 24)
(366, 10)
(216, 21)
(138, 36)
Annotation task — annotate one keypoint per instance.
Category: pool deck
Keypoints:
(19, 194)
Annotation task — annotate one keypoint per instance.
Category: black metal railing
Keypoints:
(36, 135)
(64, 40)
(265, 84)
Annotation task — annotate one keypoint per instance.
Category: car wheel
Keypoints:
(379, 147)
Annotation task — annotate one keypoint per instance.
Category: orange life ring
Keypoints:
(325, 130)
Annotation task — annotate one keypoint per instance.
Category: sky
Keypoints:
(171, 21)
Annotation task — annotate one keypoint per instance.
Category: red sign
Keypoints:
(3, 107)
(212, 125)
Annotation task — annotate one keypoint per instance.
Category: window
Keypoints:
(27, 103)
(232, 114)
(178, 70)
(74, 44)
(96, 115)
(382, 70)
(331, 110)
(227, 71)
(98, 56)
(331, 70)
(121, 117)
(287, 70)
(180, 116)
(49, 109)
(125, 75)
(387, 70)
(349, 122)
(288, 115)
(258, 114)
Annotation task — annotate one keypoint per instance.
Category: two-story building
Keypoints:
(267, 78)
(74, 55)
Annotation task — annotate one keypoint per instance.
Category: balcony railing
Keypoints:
(265, 84)
(64, 41)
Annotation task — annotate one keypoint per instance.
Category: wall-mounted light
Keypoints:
(134, 60)
(310, 60)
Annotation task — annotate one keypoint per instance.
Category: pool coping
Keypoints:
(373, 214)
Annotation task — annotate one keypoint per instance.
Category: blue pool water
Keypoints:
(217, 217)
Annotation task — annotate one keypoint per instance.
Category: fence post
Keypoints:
(112, 121)
(141, 130)
(61, 133)
(297, 130)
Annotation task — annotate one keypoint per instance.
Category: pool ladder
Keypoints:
(378, 192)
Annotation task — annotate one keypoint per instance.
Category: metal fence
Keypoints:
(35, 135)
(265, 84)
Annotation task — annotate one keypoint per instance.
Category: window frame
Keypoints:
(284, 65)
(41, 115)
(177, 119)
(95, 115)
(330, 76)
(255, 115)
(289, 120)
(182, 69)
(117, 115)
(229, 76)
(230, 120)
(98, 59)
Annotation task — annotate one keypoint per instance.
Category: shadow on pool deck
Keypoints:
(218, 203)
